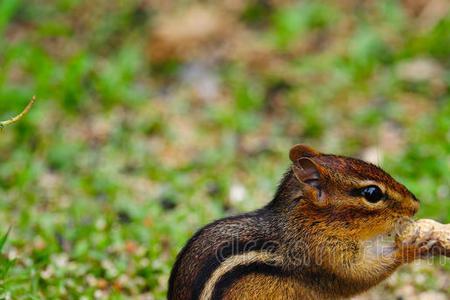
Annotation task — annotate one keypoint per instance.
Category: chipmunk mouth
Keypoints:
(381, 245)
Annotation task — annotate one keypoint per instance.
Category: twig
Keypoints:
(19, 116)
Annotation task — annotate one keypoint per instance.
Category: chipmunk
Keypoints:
(323, 236)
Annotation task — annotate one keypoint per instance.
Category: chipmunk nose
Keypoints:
(408, 206)
(414, 205)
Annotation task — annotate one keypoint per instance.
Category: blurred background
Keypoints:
(154, 118)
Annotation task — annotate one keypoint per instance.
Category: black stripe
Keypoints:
(235, 248)
(240, 271)
(184, 250)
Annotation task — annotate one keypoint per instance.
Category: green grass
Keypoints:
(121, 160)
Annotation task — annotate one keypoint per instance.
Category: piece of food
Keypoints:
(428, 236)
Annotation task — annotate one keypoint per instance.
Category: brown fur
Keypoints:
(270, 287)
(316, 244)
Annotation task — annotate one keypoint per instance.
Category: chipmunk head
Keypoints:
(348, 192)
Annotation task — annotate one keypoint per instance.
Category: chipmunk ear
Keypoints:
(310, 174)
(307, 171)
(298, 151)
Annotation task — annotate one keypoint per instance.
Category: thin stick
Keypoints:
(19, 116)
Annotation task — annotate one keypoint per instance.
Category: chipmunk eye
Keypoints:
(372, 193)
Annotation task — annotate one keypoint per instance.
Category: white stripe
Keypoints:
(230, 263)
